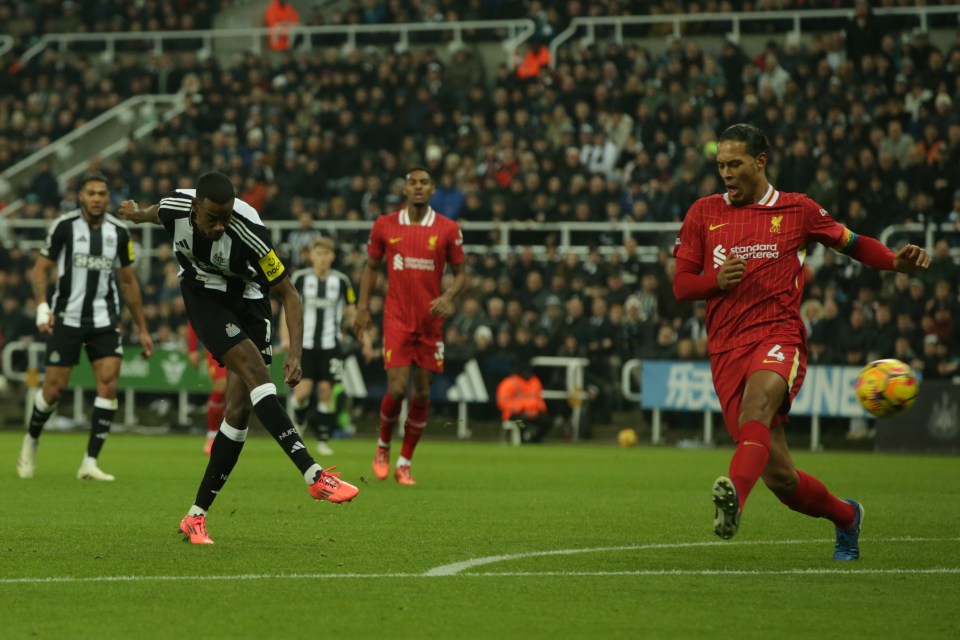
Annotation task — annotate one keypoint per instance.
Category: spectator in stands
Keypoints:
(520, 399)
(279, 16)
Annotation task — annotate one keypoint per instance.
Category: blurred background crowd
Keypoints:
(864, 115)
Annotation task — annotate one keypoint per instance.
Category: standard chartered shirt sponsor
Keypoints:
(756, 251)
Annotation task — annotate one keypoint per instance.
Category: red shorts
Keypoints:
(215, 370)
(402, 349)
(731, 369)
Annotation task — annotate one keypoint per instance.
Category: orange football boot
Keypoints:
(194, 529)
(381, 463)
(330, 487)
(403, 475)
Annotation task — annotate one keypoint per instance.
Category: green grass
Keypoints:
(274, 547)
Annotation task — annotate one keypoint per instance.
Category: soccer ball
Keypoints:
(627, 438)
(887, 387)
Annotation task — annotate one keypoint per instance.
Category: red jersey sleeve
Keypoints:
(822, 228)
(375, 245)
(455, 245)
(689, 243)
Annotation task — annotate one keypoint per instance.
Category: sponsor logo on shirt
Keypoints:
(394, 240)
(417, 264)
(713, 227)
(93, 263)
(271, 266)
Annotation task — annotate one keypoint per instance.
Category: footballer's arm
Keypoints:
(130, 290)
(362, 320)
(293, 315)
(129, 210)
(444, 306)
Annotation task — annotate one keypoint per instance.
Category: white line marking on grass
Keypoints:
(456, 567)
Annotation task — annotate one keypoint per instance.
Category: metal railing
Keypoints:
(796, 18)
(154, 41)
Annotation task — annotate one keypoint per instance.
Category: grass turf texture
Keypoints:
(265, 576)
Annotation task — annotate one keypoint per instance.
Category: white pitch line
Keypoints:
(456, 568)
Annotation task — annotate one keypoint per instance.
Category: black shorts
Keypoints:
(63, 347)
(222, 322)
(322, 365)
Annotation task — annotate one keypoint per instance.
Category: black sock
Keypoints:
(300, 413)
(223, 457)
(326, 422)
(103, 412)
(267, 406)
(37, 420)
(40, 414)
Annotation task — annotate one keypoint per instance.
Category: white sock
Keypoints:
(196, 511)
(88, 461)
(311, 475)
(402, 462)
(382, 444)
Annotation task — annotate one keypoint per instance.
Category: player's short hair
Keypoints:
(91, 176)
(326, 242)
(418, 168)
(215, 187)
(755, 139)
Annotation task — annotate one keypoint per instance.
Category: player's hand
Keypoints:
(44, 318)
(147, 343)
(128, 210)
(291, 370)
(731, 272)
(362, 322)
(910, 258)
(442, 306)
(193, 358)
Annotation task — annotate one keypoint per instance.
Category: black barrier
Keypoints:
(932, 425)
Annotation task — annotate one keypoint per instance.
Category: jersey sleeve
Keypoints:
(822, 228)
(124, 246)
(689, 242)
(455, 245)
(346, 291)
(56, 239)
(172, 208)
(265, 260)
(375, 245)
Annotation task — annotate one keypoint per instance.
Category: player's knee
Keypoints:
(237, 416)
(420, 395)
(781, 480)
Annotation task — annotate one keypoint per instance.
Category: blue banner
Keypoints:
(688, 386)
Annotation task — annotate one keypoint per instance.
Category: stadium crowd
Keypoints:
(867, 124)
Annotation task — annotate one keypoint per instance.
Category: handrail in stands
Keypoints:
(735, 19)
(520, 31)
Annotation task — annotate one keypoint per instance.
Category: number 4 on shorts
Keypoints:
(776, 353)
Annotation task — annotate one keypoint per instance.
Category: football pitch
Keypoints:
(556, 541)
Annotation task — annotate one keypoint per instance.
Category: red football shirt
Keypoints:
(416, 255)
(772, 237)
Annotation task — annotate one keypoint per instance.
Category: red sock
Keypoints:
(389, 412)
(413, 427)
(750, 458)
(215, 407)
(813, 499)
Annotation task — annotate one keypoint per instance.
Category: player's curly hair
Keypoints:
(91, 176)
(406, 176)
(755, 139)
(215, 187)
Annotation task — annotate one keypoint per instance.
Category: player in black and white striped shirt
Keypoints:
(227, 266)
(85, 247)
(328, 301)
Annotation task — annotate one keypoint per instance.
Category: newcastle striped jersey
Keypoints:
(87, 296)
(241, 262)
(323, 303)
